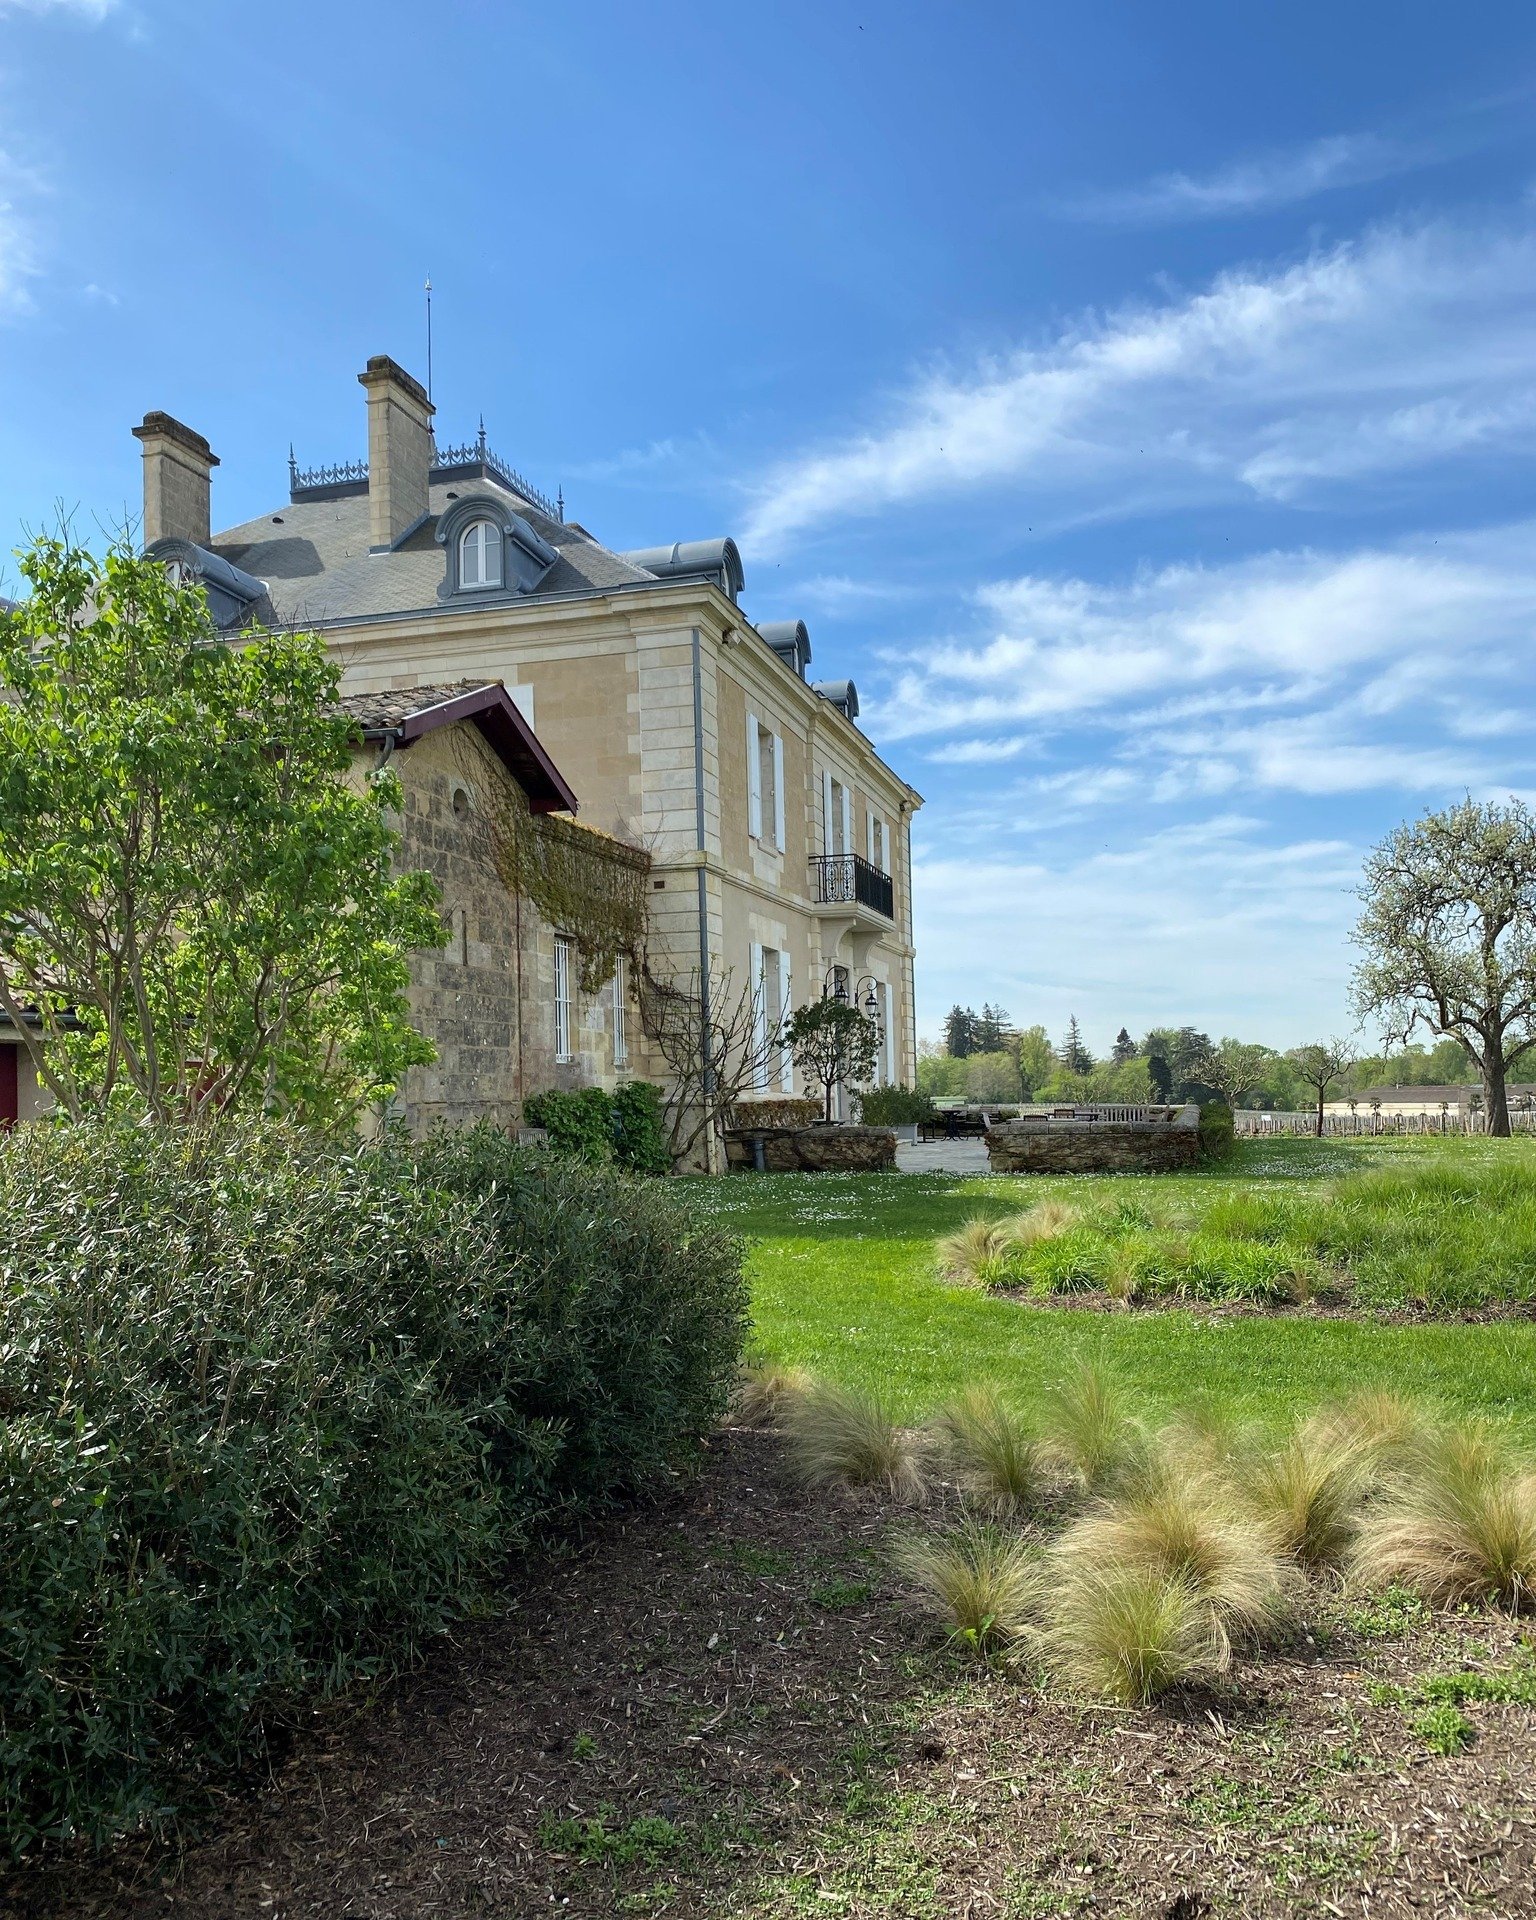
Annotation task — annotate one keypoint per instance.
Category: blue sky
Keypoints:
(1139, 402)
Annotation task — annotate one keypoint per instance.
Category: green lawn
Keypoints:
(843, 1283)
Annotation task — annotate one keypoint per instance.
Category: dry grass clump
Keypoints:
(761, 1392)
(1306, 1495)
(1386, 1423)
(984, 1581)
(997, 1458)
(1044, 1221)
(976, 1254)
(841, 1437)
(1089, 1428)
(1129, 1633)
(1458, 1521)
(1178, 1525)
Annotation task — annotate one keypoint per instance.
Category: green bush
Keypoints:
(894, 1107)
(579, 1123)
(640, 1137)
(274, 1413)
(597, 1127)
(1218, 1135)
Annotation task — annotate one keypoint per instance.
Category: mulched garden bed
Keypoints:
(1097, 1300)
(718, 1705)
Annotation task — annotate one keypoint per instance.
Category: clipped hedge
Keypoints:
(275, 1412)
(587, 1124)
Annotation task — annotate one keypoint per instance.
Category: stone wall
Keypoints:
(486, 999)
(1030, 1147)
(813, 1149)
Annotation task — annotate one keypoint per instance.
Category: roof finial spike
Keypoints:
(293, 468)
(480, 438)
(560, 502)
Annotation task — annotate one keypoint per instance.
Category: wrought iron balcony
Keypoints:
(839, 879)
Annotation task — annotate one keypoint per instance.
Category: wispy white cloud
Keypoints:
(1388, 355)
(967, 753)
(84, 9)
(1216, 919)
(1254, 185)
(19, 187)
(1276, 629)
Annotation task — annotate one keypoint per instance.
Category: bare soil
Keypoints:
(720, 1705)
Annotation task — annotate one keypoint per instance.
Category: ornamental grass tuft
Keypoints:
(1088, 1427)
(976, 1254)
(1306, 1494)
(1457, 1522)
(983, 1580)
(1179, 1525)
(762, 1391)
(841, 1437)
(1128, 1634)
(998, 1460)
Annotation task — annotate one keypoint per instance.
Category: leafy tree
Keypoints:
(1448, 937)
(1124, 1048)
(1321, 1064)
(989, 1031)
(197, 910)
(992, 1076)
(834, 1043)
(1036, 1060)
(1072, 1055)
(1234, 1068)
(960, 1032)
(1160, 1078)
(1182, 1051)
(940, 1077)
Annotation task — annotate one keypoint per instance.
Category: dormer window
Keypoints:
(480, 555)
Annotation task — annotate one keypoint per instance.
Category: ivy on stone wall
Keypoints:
(587, 885)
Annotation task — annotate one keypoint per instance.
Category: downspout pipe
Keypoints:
(703, 878)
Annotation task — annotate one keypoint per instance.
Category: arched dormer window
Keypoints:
(489, 548)
(480, 555)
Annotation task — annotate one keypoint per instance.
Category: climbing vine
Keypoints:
(586, 883)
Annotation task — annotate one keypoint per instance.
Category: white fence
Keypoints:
(1370, 1124)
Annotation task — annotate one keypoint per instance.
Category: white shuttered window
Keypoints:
(563, 1030)
(621, 1012)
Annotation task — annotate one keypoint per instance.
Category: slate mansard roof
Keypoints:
(312, 557)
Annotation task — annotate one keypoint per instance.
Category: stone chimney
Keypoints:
(400, 450)
(178, 471)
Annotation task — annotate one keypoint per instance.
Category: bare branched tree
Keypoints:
(1322, 1063)
(717, 1040)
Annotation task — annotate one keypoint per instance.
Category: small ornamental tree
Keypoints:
(1321, 1064)
(1234, 1068)
(834, 1043)
(1448, 937)
(197, 910)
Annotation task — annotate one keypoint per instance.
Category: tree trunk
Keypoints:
(1495, 1098)
(1320, 1113)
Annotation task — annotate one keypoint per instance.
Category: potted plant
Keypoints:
(902, 1109)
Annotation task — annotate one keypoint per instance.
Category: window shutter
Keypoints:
(847, 820)
(754, 781)
(829, 844)
(786, 1008)
(759, 1017)
(778, 792)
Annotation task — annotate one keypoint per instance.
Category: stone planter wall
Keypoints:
(813, 1149)
(1024, 1147)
